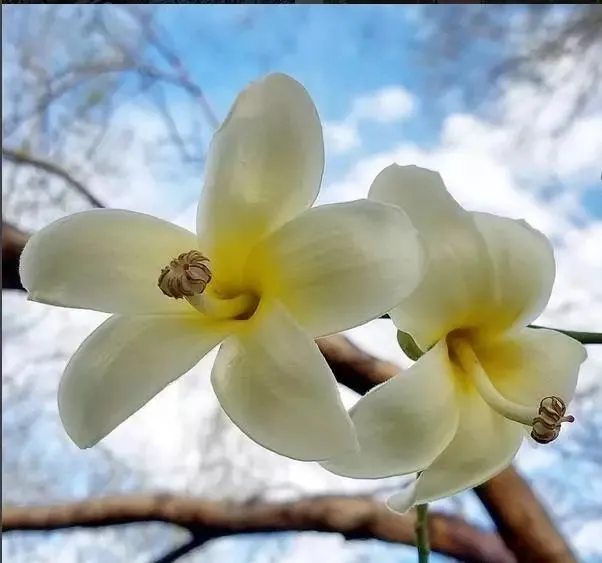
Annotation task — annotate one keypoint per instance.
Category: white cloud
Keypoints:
(389, 104)
(386, 105)
(341, 136)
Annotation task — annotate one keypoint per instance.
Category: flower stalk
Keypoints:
(422, 533)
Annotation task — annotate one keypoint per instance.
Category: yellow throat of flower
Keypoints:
(545, 420)
(189, 275)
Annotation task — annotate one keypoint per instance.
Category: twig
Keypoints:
(175, 553)
(26, 159)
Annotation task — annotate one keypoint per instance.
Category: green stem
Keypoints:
(583, 337)
(422, 533)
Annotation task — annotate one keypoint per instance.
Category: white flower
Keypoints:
(458, 415)
(264, 276)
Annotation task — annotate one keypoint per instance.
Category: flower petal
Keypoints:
(458, 276)
(276, 387)
(522, 261)
(533, 364)
(338, 266)
(485, 443)
(123, 364)
(104, 260)
(264, 167)
(405, 423)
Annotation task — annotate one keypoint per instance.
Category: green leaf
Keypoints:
(408, 345)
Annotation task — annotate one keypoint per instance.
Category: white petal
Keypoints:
(533, 364)
(458, 275)
(405, 423)
(523, 268)
(276, 387)
(340, 265)
(484, 445)
(264, 167)
(122, 365)
(104, 260)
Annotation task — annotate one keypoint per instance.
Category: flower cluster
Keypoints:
(266, 273)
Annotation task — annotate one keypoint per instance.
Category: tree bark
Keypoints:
(13, 241)
(521, 520)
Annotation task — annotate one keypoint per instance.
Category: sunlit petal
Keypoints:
(104, 260)
(485, 443)
(122, 365)
(264, 167)
(458, 276)
(338, 266)
(404, 424)
(533, 364)
(523, 268)
(276, 387)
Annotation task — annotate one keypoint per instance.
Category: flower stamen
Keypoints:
(185, 276)
(546, 426)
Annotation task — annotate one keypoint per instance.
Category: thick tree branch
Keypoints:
(13, 241)
(353, 367)
(356, 518)
(522, 521)
(25, 159)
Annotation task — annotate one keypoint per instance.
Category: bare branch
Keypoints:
(355, 518)
(13, 241)
(353, 367)
(522, 521)
(24, 158)
(179, 551)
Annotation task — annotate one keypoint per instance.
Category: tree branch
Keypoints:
(179, 551)
(522, 521)
(355, 518)
(13, 241)
(25, 159)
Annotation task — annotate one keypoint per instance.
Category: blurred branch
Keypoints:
(355, 518)
(13, 241)
(353, 367)
(522, 521)
(18, 157)
(583, 337)
(184, 549)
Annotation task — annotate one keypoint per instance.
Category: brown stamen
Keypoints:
(185, 276)
(546, 426)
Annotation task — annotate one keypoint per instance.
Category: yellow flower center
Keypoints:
(189, 276)
(545, 419)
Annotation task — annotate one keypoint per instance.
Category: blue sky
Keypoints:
(344, 55)
(338, 53)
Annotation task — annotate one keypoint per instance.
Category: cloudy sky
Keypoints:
(360, 68)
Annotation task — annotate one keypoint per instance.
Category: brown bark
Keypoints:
(521, 520)
(353, 367)
(356, 518)
(13, 241)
